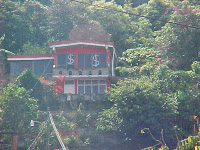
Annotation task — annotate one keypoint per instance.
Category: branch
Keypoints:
(159, 142)
(163, 138)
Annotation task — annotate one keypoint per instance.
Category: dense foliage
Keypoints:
(153, 96)
(158, 42)
(42, 92)
(4, 69)
(18, 108)
(138, 104)
(30, 24)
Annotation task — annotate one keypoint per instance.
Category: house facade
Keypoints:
(82, 67)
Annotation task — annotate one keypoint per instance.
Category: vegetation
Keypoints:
(153, 96)
(18, 107)
(4, 69)
(42, 92)
(158, 44)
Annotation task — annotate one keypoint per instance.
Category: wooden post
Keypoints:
(14, 142)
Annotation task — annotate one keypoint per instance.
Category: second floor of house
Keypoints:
(69, 59)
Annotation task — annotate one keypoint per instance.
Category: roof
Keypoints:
(7, 52)
(31, 57)
(77, 41)
(80, 42)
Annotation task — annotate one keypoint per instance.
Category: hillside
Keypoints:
(156, 105)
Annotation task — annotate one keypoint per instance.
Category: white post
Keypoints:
(113, 59)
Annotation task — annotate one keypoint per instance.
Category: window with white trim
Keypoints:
(91, 60)
(66, 60)
(35, 66)
(91, 86)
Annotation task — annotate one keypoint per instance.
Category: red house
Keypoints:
(76, 67)
(84, 65)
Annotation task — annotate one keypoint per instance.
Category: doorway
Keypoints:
(69, 87)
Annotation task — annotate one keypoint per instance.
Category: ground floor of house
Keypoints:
(81, 86)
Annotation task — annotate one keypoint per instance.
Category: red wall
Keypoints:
(76, 84)
(77, 50)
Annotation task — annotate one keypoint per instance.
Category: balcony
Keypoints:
(97, 72)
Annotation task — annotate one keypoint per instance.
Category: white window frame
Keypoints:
(96, 84)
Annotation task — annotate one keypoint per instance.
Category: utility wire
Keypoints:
(38, 137)
(43, 72)
(132, 14)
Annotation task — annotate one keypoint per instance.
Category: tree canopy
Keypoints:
(151, 96)
(18, 109)
(164, 25)
(158, 44)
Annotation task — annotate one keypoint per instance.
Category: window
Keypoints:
(88, 89)
(66, 60)
(43, 66)
(69, 82)
(70, 73)
(102, 82)
(99, 72)
(81, 82)
(91, 86)
(61, 59)
(26, 65)
(81, 87)
(17, 67)
(36, 66)
(91, 60)
(80, 73)
(95, 89)
(99, 60)
(102, 89)
(60, 72)
(70, 61)
(84, 61)
(102, 60)
(49, 66)
(89, 72)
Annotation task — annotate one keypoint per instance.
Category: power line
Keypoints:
(132, 14)
(43, 72)
(38, 137)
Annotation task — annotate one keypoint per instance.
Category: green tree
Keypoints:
(138, 104)
(196, 67)
(4, 68)
(31, 83)
(180, 43)
(59, 20)
(43, 93)
(12, 26)
(181, 85)
(30, 48)
(18, 108)
(115, 23)
(22, 23)
(155, 9)
(34, 14)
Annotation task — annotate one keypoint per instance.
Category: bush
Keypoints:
(137, 104)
